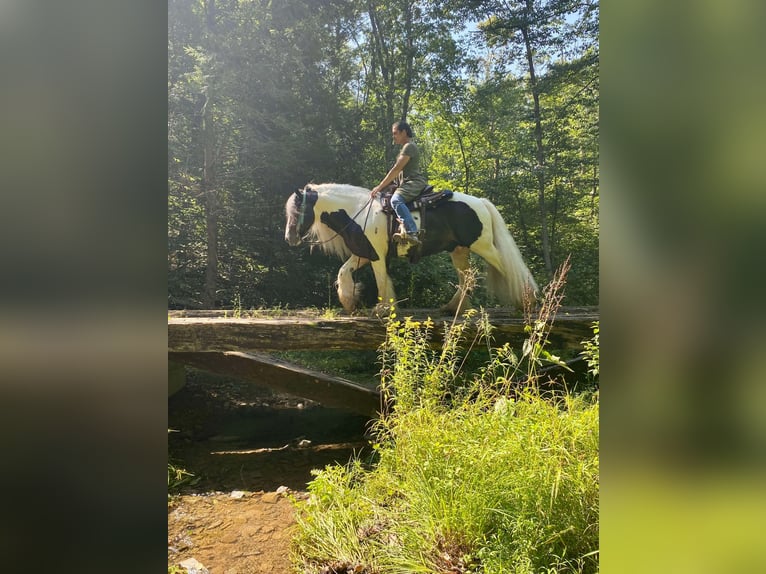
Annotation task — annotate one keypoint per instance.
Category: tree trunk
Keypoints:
(556, 186)
(208, 179)
(382, 55)
(211, 205)
(540, 150)
(594, 191)
(466, 167)
(410, 55)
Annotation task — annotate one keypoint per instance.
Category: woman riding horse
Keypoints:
(413, 181)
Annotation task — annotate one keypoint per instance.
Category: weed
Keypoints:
(330, 312)
(591, 351)
(178, 476)
(237, 305)
(539, 324)
(472, 473)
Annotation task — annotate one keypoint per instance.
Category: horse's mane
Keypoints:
(340, 190)
(352, 198)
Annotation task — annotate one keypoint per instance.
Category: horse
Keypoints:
(344, 221)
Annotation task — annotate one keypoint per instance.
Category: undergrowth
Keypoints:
(178, 477)
(472, 472)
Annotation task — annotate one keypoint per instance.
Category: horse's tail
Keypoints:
(510, 283)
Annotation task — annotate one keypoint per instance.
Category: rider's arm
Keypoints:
(401, 161)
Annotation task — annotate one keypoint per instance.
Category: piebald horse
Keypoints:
(343, 221)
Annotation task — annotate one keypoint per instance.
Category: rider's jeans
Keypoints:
(400, 207)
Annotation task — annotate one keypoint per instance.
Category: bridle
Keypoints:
(302, 210)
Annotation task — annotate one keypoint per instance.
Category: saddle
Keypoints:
(427, 199)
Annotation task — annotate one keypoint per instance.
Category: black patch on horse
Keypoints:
(448, 225)
(351, 232)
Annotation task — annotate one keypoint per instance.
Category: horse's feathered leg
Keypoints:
(348, 291)
(386, 293)
(460, 300)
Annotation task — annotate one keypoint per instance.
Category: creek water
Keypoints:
(234, 435)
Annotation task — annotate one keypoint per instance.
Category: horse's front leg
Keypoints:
(460, 301)
(386, 295)
(348, 291)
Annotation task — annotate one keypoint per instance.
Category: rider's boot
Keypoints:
(404, 237)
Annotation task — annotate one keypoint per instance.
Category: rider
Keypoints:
(411, 181)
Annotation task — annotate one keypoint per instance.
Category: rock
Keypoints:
(181, 542)
(193, 566)
(282, 490)
(237, 493)
(270, 497)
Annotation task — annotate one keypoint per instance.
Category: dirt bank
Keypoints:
(250, 452)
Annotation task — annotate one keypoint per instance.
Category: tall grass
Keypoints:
(471, 473)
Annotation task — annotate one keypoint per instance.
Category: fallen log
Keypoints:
(221, 334)
(286, 378)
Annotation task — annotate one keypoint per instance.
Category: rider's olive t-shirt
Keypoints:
(412, 169)
(414, 181)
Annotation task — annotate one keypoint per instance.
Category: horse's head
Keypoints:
(299, 211)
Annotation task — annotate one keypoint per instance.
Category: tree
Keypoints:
(252, 113)
(533, 34)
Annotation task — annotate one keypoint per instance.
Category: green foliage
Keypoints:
(469, 473)
(591, 350)
(178, 477)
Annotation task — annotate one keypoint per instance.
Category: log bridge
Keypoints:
(237, 344)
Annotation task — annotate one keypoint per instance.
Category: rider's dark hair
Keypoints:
(402, 126)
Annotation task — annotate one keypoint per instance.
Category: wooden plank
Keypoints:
(286, 378)
(219, 334)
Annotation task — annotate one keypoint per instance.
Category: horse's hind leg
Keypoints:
(348, 291)
(460, 300)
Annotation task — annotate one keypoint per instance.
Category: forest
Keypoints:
(265, 96)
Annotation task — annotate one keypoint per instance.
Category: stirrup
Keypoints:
(407, 237)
